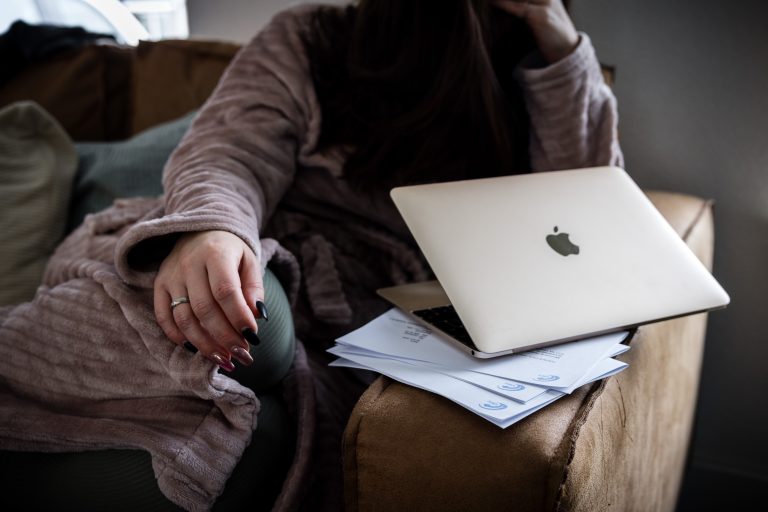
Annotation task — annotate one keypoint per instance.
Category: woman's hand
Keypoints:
(220, 277)
(550, 23)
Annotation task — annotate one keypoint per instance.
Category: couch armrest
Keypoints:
(621, 442)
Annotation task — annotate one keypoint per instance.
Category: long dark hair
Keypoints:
(421, 90)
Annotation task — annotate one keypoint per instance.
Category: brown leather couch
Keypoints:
(619, 444)
(110, 92)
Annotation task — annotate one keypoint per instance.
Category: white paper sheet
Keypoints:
(496, 409)
(602, 370)
(486, 404)
(518, 391)
(556, 367)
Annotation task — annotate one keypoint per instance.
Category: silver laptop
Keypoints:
(532, 260)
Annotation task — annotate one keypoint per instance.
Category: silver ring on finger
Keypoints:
(178, 301)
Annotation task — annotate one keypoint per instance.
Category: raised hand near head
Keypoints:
(550, 23)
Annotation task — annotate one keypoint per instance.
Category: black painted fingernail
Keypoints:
(190, 347)
(262, 309)
(250, 336)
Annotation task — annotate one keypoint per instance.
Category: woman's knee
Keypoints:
(273, 356)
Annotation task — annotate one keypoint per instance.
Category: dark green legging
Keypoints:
(117, 480)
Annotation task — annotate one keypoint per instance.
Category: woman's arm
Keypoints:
(239, 156)
(574, 119)
(223, 183)
(573, 112)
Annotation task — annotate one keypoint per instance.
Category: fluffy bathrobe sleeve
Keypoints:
(573, 112)
(241, 152)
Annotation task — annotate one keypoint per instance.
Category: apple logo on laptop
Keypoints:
(561, 244)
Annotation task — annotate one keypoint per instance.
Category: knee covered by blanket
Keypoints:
(274, 355)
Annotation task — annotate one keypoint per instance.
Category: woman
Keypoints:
(310, 126)
(404, 92)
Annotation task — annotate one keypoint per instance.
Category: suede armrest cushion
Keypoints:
(619, 443)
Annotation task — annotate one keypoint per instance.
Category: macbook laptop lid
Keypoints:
(537, 259)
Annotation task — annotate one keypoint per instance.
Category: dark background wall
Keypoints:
(692, 85)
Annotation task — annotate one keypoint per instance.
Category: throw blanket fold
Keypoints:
(85, 366)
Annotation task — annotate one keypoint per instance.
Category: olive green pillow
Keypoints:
(37, 166)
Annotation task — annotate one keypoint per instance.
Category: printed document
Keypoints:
(502, 390)
(558, 367)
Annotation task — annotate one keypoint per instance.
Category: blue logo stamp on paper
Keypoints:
(493, 406)
(547, 378)
(511, 386)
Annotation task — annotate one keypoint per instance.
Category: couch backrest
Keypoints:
(108, 92)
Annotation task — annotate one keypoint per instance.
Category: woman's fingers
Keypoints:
(164, 315)
(237, 319)
(550, 23)
(219, 337)
(522, 8)
(204, 269)
(252, 284)
(185, 318)
(518, 8)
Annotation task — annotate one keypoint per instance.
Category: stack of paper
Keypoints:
(502, 390)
